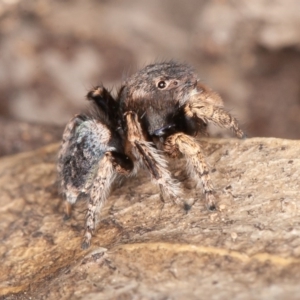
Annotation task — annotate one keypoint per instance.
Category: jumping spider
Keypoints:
(158, 111)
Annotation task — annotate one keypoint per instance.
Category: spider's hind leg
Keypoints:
(111, 164)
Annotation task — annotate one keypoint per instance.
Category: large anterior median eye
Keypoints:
(161, 84)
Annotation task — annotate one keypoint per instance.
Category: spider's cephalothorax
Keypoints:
(157, 112)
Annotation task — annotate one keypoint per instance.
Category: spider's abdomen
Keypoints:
(87, 145)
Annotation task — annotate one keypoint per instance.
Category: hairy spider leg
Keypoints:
(110, 165)
(145, 152)
(98, 193)
(196, 165)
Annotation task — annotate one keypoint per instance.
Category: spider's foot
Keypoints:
(162, 198)
(68, 209)
(210, 201)
(187, 207)
(212, 207)
(188, 204)
(86, 242)
(242, 135)
(85, 245)
(66, 217)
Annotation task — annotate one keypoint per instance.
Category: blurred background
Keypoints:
(53, 52)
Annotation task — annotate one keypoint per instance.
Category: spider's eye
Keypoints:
(161, 84)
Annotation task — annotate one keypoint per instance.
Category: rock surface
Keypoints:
(146, 249)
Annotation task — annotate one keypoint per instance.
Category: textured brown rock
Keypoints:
(248, 249)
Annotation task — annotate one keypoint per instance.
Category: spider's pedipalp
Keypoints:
(207, 106)
(196, 165)
(216, 115)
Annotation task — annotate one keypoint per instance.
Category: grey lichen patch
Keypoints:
(252, 242)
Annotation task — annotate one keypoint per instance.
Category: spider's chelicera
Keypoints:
(158, 111)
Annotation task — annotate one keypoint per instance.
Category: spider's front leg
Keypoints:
(145, 152)
(196, 165)
(204, 106)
